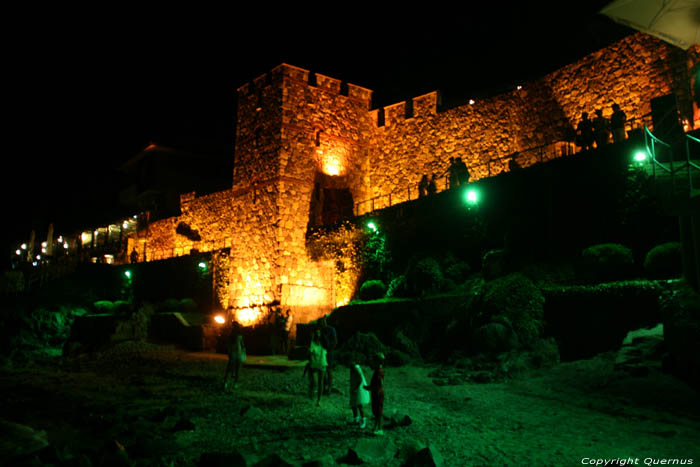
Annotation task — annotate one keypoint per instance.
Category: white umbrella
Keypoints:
(674, 21)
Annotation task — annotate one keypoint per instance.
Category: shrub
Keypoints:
(103, 306)
(514, 300)
(493, 264)
(663, 261)
(457, 272)
(424, 277)
(372, 290)
(188, 305)
(545, 352)
(360, 349)
(607, 262)
(398, 287)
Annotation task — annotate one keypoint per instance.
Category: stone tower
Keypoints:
(301, 160)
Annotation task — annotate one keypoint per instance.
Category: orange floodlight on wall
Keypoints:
(333, 165)
(248, 316)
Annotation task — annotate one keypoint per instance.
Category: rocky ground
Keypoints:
(145, 404)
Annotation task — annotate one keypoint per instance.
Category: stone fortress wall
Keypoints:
(296, 137)
(630, 72)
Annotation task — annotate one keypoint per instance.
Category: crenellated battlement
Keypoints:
(317, 80)
(425, 105)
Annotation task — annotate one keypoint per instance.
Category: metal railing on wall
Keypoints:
(490, 168)
(689, 165)
(693, 165)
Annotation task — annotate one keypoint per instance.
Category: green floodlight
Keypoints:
(372, 226)
(127, 274)
(472, 196)
(640, 156)
(202, 265)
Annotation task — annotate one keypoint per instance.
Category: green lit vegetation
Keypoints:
(664, 261)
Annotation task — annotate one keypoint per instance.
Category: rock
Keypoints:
(146, 446)
(251, 412)
(680, 312)
(494, 338)
(493, 264)
(351, 458)
(51, 455)
(641, 350)
(221, 459)
(426, 457)
(666, 433)
(325, 461)
(404, 344)
(82, 460)
(163, 414)
(397, 358)
(482, 376)
(20, 440)
(399, 419)
(374, 450)
(184, 424)
(409, 449)
(273, 460)
(113, 454)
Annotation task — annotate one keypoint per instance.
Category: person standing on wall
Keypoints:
(601, 129)
(452, 175)
(462, 171)
(423, 186)
(329, 340)
(584, 132)
(432, 185)
(617, 124)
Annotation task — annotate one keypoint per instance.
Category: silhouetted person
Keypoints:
(584, 131)
(317, 365)
(462, 171)
(236, 353)
(134, 256)
(376, 388)
(423, 186)
(600, 129)
(432, 186)
(617, 124)
(513, 163)
(452, 174)
(329, 340)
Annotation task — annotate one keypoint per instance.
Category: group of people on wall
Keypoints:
(457, 175)
(597, 132)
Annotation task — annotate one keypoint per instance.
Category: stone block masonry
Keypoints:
(630, 73)
(300, 135)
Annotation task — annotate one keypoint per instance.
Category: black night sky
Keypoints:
(87, 89)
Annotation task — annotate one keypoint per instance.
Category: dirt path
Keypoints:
(164, 404)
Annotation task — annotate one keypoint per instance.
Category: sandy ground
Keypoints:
(166, 404)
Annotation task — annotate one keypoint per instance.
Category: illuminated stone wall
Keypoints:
(630, 73)
(296, 130)
(282, 147)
